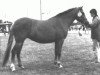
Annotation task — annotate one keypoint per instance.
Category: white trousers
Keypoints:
(96, 48)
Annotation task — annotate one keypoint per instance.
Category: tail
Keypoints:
(8, 49)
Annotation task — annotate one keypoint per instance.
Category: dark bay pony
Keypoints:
(54, 30)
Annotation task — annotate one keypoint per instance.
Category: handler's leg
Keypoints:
(98, 52)
(94, 44)
(95, 47)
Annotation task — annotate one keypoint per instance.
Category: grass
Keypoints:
(38, 58)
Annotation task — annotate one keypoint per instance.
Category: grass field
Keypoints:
(38, 58)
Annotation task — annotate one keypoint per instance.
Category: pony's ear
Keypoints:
(81, 7)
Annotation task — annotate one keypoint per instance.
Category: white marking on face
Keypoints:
(79, 14)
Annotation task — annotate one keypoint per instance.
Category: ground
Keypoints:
(38, 59)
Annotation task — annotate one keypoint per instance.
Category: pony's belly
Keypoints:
(43, 40)
(47, 36)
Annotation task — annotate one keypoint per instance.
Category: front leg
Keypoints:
(58, 47)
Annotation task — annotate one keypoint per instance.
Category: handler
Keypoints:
(95, 34)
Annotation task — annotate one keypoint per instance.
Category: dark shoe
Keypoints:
(96, 62)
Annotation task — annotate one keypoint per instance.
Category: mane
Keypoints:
(65, 12)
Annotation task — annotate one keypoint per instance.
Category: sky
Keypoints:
(12, 10)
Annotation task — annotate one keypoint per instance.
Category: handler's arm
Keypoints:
(94, 23)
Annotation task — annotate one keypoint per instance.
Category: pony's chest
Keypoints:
(61, 33)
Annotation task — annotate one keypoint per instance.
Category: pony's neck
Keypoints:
(67, 20)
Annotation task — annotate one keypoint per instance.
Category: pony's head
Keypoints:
(81, 16)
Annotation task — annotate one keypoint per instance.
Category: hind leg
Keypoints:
(16, 50)
(12, 66)
(18, 54)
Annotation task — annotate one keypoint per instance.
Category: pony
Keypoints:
(54, 29)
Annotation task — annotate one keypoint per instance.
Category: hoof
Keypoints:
(21, 66)
(12, 67)
(13, 70)
(58, 64)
